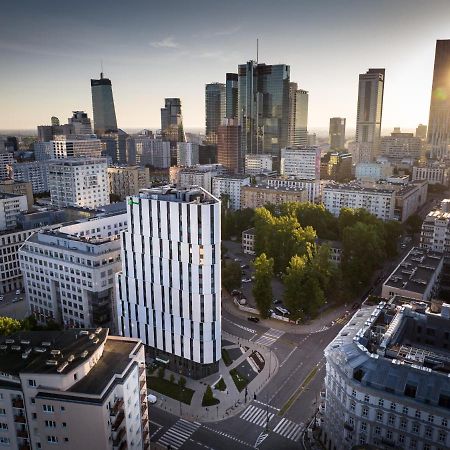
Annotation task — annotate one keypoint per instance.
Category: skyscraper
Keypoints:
(263, 106)
(172, 121)
(80, 123)
(301, 117)
(231, 101)
(214, 109)
(439, 120)
(168, 292)
(337, 133)
(103, 106)
(370, 109)
(229, 146)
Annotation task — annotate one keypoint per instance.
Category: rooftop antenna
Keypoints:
(257, 50)
(101, 65)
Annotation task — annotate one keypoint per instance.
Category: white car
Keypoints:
(152, 399)
(246, 280)
(18, 292)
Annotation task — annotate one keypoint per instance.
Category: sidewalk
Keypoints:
(232, 401)
(314, 326)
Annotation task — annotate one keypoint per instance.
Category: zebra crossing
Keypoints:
(269, 337)
(257, 416)
(289, 430)
(178, 434)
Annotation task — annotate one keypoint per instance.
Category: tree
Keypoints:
(231, 275)
(182, 382)
(413, 224)
(172, 378)
(9, 326)
(161, 372)
(208, 397)
(392, 232)
(262, 286)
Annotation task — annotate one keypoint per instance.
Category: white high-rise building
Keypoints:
(35, 172)
(301, 162)
(11, 205)
(6, 161)
(256, 164)
(82, 146)
(169, 290)
(187, 154)
(79, 182)
(69, 272)
(369, 113)
(229, 187)
(73, 389)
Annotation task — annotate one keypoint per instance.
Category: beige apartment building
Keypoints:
(128, 180)
(260, 195)
(73, 389)
(18, 188)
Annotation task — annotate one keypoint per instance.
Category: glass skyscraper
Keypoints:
(103, 106)
(172, 121)
(439, 120)
(231, 95)
(214, 109)
(263, 107)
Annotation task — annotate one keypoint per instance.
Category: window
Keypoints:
(444, 422)
(389, 434)
(379, 416)
(52, 439)
(415, 427)
(428, 432)
(377, 430)
(48, 408)
(380, 402)
(403, 424)
(2, 411)
(442, 436)
(393, 406)
(363, 426)
(32, 383)
(366, 398)
(417, 414)
(3, 426)
(4, 440)
(401, 438)
(365, 411)
(405, 410)
(391, 420)
(430, 418)
(50, 423)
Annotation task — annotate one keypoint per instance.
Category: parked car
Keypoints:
(246, 280)
(276, 301)
(244, 266)
(236, 259)
(18, 292)
(152, 399)
(253, 319)
(236, 292)
(282, 311)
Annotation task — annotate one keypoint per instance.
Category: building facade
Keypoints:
(6, 161)
(103, 106)
(231, 95)
(35, 172)
(228, 188)
(150, 152)
(73, 389)
(373, 171)
(434, 173)
(168, 293)
(128, 180)
(62, 147)
(187, 154)
(11, 205)
(18, 188)
(261, 195)
(172, 121)
(79, 182)
(301, 162)
(401, 145)
(312, 187)
(229, 146)
(258, 164)
(337, 133)
(298, 116)
(215, 109)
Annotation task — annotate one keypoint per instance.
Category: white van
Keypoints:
(152, 399)
(281, 310)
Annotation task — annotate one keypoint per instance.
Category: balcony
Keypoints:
(118, 421)
(143, 410)
(141, 371)
(118, 439)
(123, 445)
(20, 419)
(118, 405)
(348, 426)
(22, 434)
(24, 447)
(142, 384)
(144, 435)
(18, 402)
(143, 397)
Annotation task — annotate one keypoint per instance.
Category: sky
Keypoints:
(150, 50)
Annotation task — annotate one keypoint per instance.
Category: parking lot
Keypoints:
(13, 305)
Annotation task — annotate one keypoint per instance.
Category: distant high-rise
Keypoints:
(370, 109)
(172, 121)
(214, 109)
(301, 118)
(103, 106)
(229, 146)
(337, 133)
(421, 131)
(439, 120)
(263, 106)
(80, 123)
(54, 121)
(231, 102)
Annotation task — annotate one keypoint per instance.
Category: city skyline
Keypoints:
(325, 51)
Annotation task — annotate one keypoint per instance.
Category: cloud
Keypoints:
(167, 42)
(227, 31)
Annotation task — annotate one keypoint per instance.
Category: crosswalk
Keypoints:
(257, 416)
(289, 430)
(269, 337)
(178, 434)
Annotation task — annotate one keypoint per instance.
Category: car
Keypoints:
(282, 311)
(276, 301)
(236, 259)
(244, 266)
(18, 292)
(152, 399)
(246, 280)
(1, 298)
(236, 292)
(253, 319)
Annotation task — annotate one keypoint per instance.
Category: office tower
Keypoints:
(35, 172)
(80, 123)
(90, 251)
(18, 188)
(54, 121)
(6, 161)
(369, 113)
(439, 119)
(263, 105)
(386, 387)
(207, 154)
(421, 131)
(103, 106)
(73, 389)
(337, 133)
(68, 147)
(11, 205)
(336, 166)
(149, 151)
(187, 154)
(301, 162)
(311, 139)
(298, 116)
(172, 121)
(168, 292)
(229, 146)
(128, 180)
(201, 175)
(231, 102)
(227, 188)
(79, 182)
(214, 109)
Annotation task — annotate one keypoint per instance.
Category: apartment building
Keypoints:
(263, 194)
(127, 180)
(73, 389)
(301, 162)
(436, 173)
(35, 172)
(435, 233)
(312, 187)
(18, 188)
(81, 146)
(229, 187)
(11, 205)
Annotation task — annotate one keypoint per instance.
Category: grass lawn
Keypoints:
(239, 380)
(220, 385)
(226, 357)
(170, 389)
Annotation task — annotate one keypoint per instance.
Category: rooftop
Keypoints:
(274, 188)
(48, 352)
(353, 187)
(233, 176)
(398, 347)
(7, 195)
(194, 194)
(416, 270)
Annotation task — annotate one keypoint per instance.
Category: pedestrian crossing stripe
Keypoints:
(289, 430)
(178, 434)
(269, 337)
(256, 415)
(261, 438)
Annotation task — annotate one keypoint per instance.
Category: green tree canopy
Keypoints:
(262, 286)
(9, 326)
(231, 275)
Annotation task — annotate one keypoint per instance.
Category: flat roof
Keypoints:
(357, 188)
(266, 187)
(416, 270)
(194, 194)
